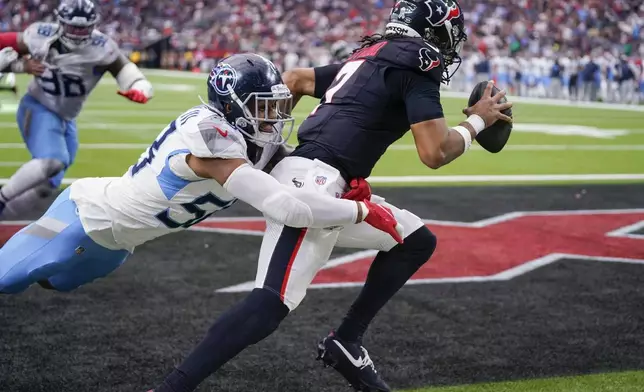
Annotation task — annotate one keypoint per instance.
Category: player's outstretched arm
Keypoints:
(291, 206)
(132, 83)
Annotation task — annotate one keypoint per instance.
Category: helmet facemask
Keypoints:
(449, 40)
(265, 116)
(77, 31)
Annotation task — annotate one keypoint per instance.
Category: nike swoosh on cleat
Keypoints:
(355, 362)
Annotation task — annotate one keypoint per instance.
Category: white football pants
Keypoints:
(290, 257)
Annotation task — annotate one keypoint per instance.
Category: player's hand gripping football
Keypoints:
(489, 108)
(134, 95)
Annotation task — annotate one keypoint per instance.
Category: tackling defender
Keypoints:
(389, 85)
(67, 59)
(201, 163)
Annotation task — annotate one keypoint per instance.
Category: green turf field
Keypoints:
(548, 140)
(608, 382)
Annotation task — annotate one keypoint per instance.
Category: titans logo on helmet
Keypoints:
(223, 78)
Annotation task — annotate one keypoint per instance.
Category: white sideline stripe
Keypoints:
(477, 178)
(505, 178)
(399, 147)
(546, 147)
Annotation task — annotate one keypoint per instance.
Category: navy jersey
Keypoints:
(370, 102)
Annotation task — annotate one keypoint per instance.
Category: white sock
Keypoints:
(28, 176)
(25, 202)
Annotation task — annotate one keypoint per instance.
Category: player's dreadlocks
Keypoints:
(373, 39)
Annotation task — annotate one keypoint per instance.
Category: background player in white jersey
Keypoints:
(206, 159)
(73, 56)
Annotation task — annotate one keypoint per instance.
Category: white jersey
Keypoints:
(70, 76)
(161, 194)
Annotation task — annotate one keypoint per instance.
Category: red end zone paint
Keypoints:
(481, 249)
(485, 251)
(8, 230)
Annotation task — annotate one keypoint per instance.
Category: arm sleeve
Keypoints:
(291, 206)
(420, 93)
(324, 77)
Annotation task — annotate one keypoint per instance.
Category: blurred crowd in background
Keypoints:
(574, 49)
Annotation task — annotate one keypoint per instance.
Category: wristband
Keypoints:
(476, 122)
(467, 136)
(363, 211)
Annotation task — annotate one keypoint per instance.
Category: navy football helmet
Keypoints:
(77, 19)
(440, 23)
(249, 91)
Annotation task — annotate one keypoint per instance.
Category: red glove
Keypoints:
(359, 190)
(382, 219)
(134, 96)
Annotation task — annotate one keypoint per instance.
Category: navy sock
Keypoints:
(387, 274)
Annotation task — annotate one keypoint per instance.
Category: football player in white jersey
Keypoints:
(202, 162)
(72, 57)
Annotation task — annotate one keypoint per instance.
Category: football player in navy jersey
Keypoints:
(387, 86)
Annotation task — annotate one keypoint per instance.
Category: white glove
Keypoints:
(7, 56)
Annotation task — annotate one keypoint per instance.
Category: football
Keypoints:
(494, 137)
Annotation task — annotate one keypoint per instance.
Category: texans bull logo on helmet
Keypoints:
(223, 78)
(442, 11)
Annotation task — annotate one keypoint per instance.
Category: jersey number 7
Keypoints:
(343, 76)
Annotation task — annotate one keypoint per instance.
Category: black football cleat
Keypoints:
(352, 361)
